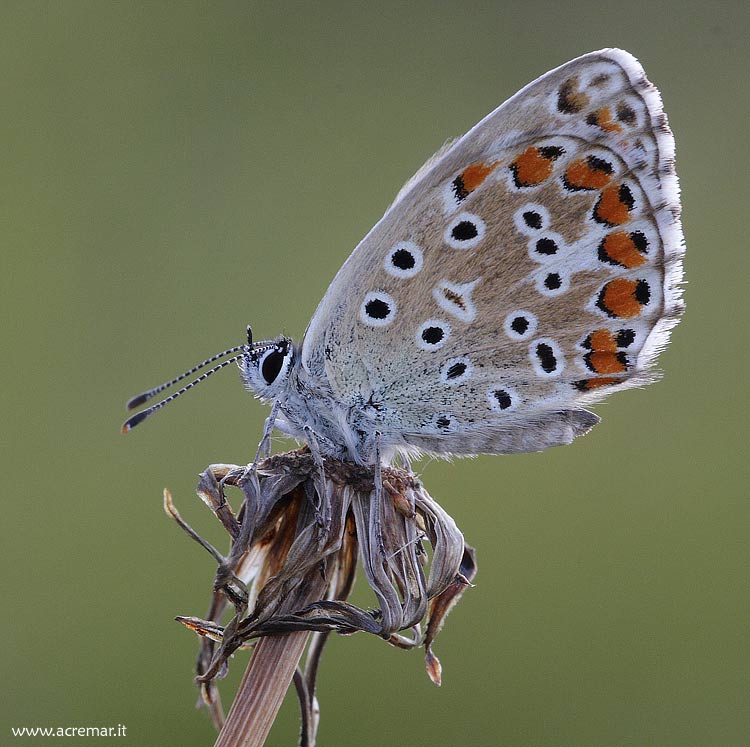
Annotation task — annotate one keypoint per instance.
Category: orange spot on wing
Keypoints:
(602, 118)
(570, 100)
(580, 175)
(620, 247)
(620, 297)
(602, 340)
(531, 167)
(473, 176)
(606, 362)
(614, 205)
(587, 385)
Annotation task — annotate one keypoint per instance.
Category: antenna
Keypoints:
(131, 422)
(137, 401)
(146, 396)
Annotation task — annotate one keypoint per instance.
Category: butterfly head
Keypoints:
(265, 368)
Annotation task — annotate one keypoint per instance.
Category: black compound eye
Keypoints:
(271, 365)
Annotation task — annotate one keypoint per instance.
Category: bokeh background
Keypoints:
(174, 170)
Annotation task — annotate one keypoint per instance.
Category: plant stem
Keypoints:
(262, 690)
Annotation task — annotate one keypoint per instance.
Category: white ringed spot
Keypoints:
(444, 422)
(404, 260)
(531, 218)
(456, 370)
(545, 246)
(501, 398)
(378, 309)
(552, 283)
(433, 334)
(465, 231)
(455, 299)
(546, 357)
(520, 324)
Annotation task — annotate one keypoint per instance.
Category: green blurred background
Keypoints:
(174, 170)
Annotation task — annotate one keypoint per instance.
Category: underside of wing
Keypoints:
(529, 269)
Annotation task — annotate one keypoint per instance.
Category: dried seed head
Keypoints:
(294, 547)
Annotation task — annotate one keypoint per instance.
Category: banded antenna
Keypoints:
(140, 399)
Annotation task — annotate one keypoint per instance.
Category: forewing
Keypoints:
(530, 268)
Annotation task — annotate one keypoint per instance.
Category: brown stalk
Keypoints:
(263, 687)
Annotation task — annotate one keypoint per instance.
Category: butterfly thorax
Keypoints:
(306, 407)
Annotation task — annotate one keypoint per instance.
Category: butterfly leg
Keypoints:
(264, 447)
(265, 442)
(378, 494)
(319, 504)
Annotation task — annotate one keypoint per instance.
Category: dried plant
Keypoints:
(290, 569)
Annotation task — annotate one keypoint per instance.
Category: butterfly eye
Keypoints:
(271, 364)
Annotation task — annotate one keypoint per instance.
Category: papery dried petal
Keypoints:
(298, 535)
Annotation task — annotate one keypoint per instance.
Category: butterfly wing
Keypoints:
(529, 268)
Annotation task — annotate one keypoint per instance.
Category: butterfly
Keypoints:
(529, 269)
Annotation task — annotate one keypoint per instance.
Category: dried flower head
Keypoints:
(293, 557)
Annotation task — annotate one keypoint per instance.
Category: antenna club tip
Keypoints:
(137, 401)
(131, 423)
